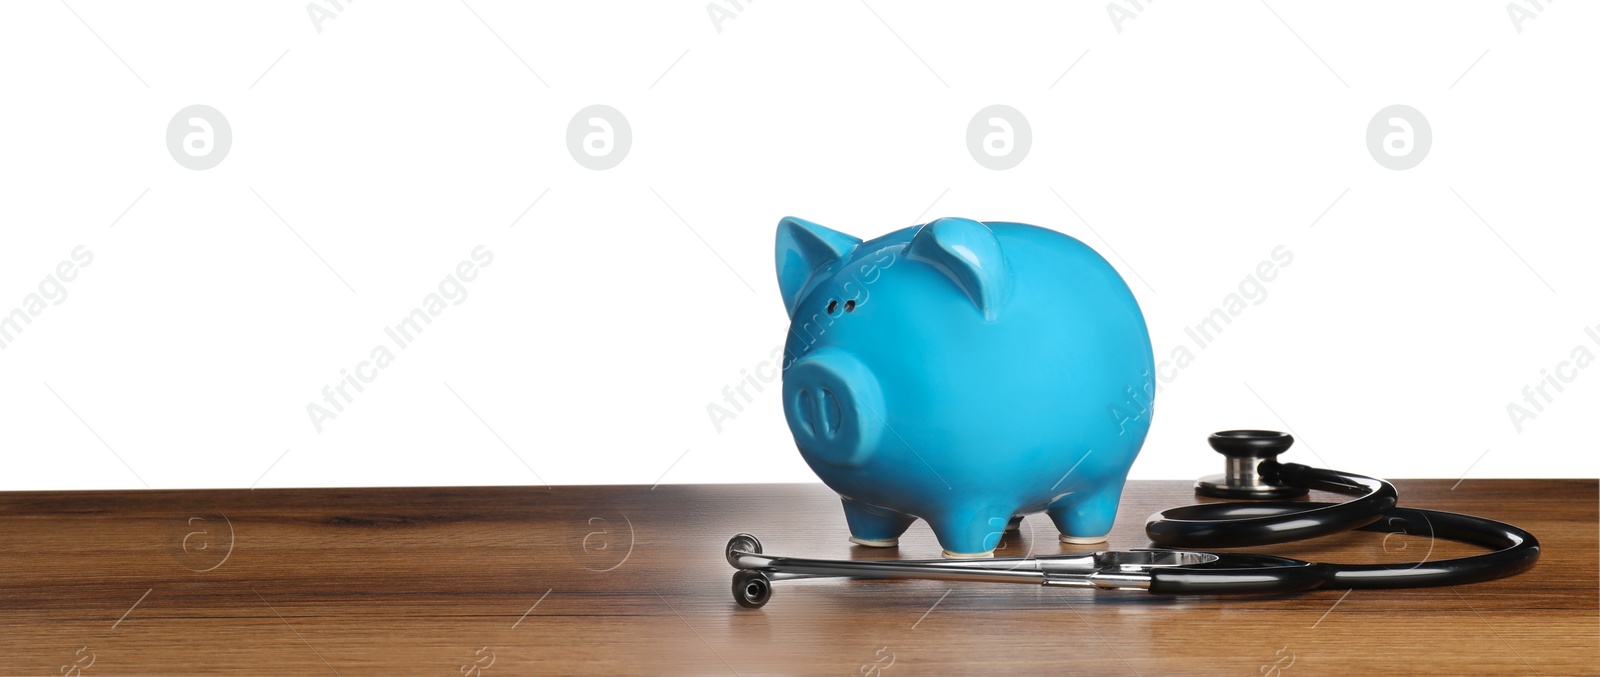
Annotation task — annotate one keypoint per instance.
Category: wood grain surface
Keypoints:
(629, 580)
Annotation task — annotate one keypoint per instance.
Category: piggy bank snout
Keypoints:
(819, 412)
(834, 407)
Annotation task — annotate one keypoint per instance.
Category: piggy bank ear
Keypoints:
(803, 247)
(968, 253)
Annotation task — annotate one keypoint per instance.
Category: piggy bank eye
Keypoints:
(850, 306)
(832, 305)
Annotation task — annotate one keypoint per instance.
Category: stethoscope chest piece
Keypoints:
(1245, 451)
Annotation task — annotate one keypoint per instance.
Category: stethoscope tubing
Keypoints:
(1514, 551)
(1255, 523)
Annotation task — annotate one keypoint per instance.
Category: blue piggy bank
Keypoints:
(965, 373)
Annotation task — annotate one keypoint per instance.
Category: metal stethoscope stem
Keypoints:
(1105, 569)
(1253, 472)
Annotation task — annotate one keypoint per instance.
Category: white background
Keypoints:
(1190, 139)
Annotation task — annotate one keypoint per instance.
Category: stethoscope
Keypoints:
(1176, 568)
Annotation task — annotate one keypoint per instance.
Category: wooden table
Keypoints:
(629, 580)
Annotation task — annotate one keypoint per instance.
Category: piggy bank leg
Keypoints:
(873, 526)
(1086, 517)
(971, 532)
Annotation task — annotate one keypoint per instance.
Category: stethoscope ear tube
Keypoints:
(1238, 525)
